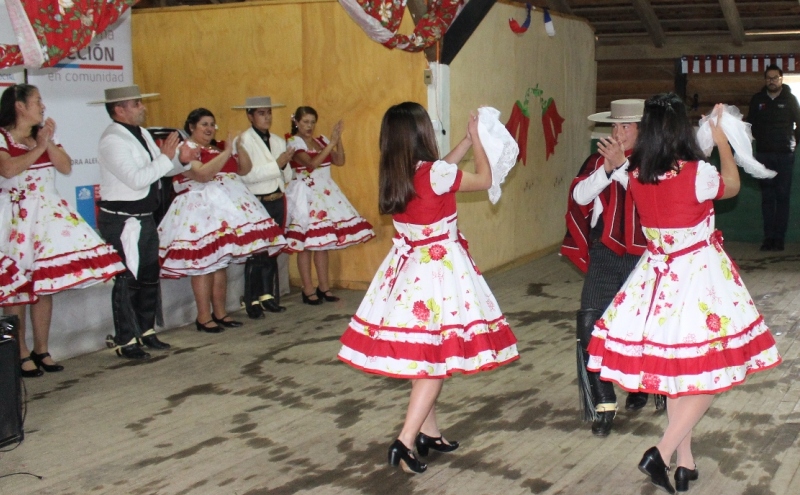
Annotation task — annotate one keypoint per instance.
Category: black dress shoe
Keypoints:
(152, 342)
(226, 323)
(635, 401)
(272, 306)
(767, 245)
(402, 455)
(778, 245)
(307, 299)
(203, 327)
(254, 310)
(38, 359)
(131, 351)
(653, 465)
(29, 373)
(601, 427)
(424, 443)
(683, 476)
(324, 295)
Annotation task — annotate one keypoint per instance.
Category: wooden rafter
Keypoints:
(560, 6)
(731, 14)
(462, 28)
(650, 21)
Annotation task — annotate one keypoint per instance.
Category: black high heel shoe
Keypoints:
(226, 323)
(683, 476)
(324, 295)
(203, 327)
(29, 373)
(653, 465)
(424, 443)
(308, 300)
(38, 360)
(402, 455)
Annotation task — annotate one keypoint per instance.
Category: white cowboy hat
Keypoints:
(124, 93)
(622, 111)
(259, 102)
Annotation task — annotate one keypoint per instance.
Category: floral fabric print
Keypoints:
(212, 224)
(319, 215)
(52, 246)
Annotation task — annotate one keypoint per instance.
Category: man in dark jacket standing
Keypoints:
(775, 116)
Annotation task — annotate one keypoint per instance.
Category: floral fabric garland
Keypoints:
(51, 30)
(381, 20)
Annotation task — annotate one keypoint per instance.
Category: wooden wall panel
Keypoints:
(300, 53)
(495, 68)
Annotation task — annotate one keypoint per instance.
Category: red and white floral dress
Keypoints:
(319, 215)
(53, 248)
(683, 323)
(212, 224)
(428, 312)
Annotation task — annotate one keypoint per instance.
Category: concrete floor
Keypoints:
(268, 409)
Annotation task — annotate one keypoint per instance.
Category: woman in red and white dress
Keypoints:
(319, 215)
(684, 324)
(214, 221)
(428, 313)
(51, 245)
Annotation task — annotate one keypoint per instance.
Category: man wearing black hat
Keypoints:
(130, 168)
(267, 181)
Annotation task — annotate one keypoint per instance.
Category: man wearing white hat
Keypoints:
(605, 240)
(267, 181)
(131, 165)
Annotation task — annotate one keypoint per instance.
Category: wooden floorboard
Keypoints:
(268, 409)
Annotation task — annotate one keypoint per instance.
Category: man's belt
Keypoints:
(122, 213)
(270, 197)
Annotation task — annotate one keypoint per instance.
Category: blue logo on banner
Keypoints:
(84, 196)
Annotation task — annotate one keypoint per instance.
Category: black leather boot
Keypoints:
(270, 297)
(124, 295)
(253, 269)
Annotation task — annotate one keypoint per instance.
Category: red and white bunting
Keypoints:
(715, 64)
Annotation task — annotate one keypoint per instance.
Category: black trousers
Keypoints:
(261, 270)
(776, 193)
(134, 300)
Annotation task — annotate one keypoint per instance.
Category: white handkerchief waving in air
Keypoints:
(500, 147)
(739, 136)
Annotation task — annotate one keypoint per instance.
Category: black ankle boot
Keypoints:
(601, 427)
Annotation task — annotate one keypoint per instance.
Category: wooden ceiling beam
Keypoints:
(650, 21)
(731, 14)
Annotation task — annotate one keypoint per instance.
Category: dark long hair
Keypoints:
(8, 108)
(407, 136)
(665, 136)
(299, 114)
(194, 117)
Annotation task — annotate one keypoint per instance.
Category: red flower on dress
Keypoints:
(193, 229)
(601, 324)
(58, 215)
(421, 311)
(327, 192)
(651, 382)
(312, 213)
(322, 214)
(20, 238)
(389, 272)
(23, 213)
(437, 252)
(224, 224)
(64, 202)
(37, 245)
(31, 187)
(427, 231)
(713, 322)
(618, 299)
(673, 276)
(669, 239)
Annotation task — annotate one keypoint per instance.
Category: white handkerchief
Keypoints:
(500, 147)
(130, 244)
(738, 133)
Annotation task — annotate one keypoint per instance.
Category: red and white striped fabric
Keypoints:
(717, 64)
(10, 278)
